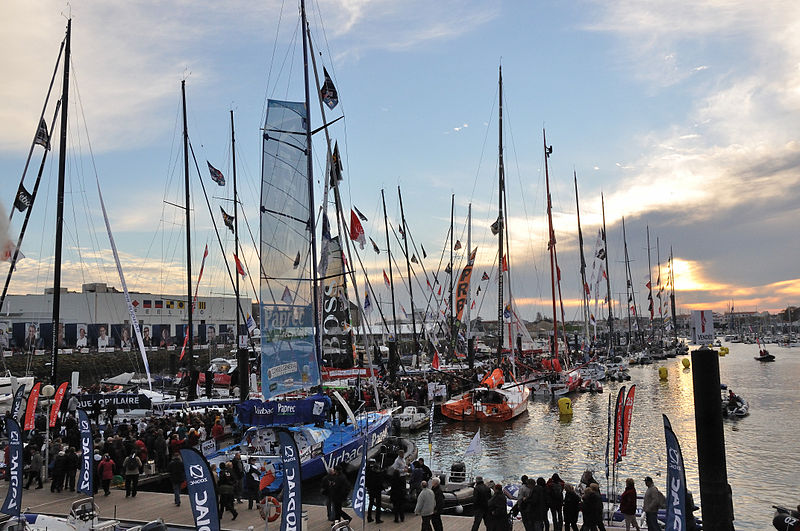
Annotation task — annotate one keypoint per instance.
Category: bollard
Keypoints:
(716, 500)
(686, 363)
(663, 374)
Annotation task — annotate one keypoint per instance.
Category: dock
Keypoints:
(148, 506)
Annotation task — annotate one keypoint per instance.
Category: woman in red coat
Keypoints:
(627, 505)
(105, 469)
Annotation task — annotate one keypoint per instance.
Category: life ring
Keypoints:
(264, 511)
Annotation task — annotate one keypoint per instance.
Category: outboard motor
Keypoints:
(458, 472)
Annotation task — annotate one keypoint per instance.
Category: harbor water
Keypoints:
(762, 448)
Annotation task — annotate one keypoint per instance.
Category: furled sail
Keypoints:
(289, 358)
(337, 341)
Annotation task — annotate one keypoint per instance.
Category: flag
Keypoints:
(474, 447)
(356, 230)
(291, 517)
(485, 276)
(42, 136)
(251, 323)
(375, 246)
(360, 486)
(496, 226)
(619, 427)
(159, 304)
(23, 199)
(424, 254)
(601, 254)
(336, 165)
(648, 285)
(414, 259)
(13, 501)
(592, 320)
(16, 405)
(361, 215)
(435, 362)
(296, 261)
(507, 313)
(287, 296)
(472, 307)
(505, 264)
(202, 490)
(56, 407)
(326, 242)
(86, 477)
(676, 480)
(147, 303)
(328, 92)
(626, 418)
(170, 304)
(448, 269)
(457, 246)
(402, 232)
(386, 279)
(367, 303)
(405, 313)
(216, 175)
(30, 408)
(227, 219)
(478, 292)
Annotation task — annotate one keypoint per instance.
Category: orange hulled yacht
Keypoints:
(494, 401)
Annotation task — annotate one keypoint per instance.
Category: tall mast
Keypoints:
(391, 276)
(235, 223)
(452, 319)
(62, 166)
(650, 284)
(469, 287)
(608, 276)
(500, 223)
(410, 284)
(660, 305)
(551, 243)
(190, 343)
(311, 209)
(628, 285)
(583, 262)
(672, 294)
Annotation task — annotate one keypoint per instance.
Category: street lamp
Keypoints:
(47, 392)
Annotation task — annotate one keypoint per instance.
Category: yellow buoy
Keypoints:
(662, 373)
(723, 351)
(564, 406)
(685, 362)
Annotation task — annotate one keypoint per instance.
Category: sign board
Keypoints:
(702, 327)
(208, 447)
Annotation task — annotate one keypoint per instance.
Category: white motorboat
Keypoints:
(411, 418)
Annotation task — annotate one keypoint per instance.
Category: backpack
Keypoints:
(131, 465)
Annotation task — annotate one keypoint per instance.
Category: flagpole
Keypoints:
(192, 390)
(410, 284)
(608, 278)
(452, 315)
(551, 244)
(500, 221)
(583, 261)
(393, 354)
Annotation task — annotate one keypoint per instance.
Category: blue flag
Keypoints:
(359, 489)
(291, 518)
(202, 491)
(676, 481)
(14, 495)
(16, 406)
(86, 478)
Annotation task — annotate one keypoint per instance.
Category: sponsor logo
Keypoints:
(201, 519)
(196, 471)
(290, 502)
(14, 494)
(675, 487)
(281, 370)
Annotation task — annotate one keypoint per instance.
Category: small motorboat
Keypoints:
(764, 355)
(786, 519)
(83, 516)
(734, 406)
(411, 418)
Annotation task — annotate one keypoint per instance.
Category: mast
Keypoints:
(469, 283)
(500, 223)
(391, 281)
(235, 224)
(310, 168)
(62, 166)
(672, 295)
(660, 305)
(410, 284)
(452, 320)
(608, 276)
(650, 284)
(192, 392)
(628, 284)
(551, 244)
(583, 262)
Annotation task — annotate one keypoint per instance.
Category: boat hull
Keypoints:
(467, 409)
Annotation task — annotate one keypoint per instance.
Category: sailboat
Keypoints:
(291, 335)
(496, 400)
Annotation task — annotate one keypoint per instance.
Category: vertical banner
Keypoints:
(626, 418)
(619, 428)
(462, 289)
(202, 491)
(86, 478)
(676, 480)
(14, 495)
(30, 409)
(608, 437)
(56, 406)
(16, 405)
(291, 519)
(360, 487)
(702, 327)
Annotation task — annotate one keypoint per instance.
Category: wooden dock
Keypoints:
(147, 506)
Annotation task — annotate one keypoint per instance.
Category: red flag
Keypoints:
(619, 427)
(435, 362)
(357, 230)
(59, 396)
(626, 420)
(429, 284)
(505, 264)
(472, 307)
(239, 268)
(440, 290)
(485, 276)
(386, 280)
(558, 273)
(30, 409)
(648, 285)
(586, 288)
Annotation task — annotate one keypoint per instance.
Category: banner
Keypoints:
(676, 480)
(626, 419)
(310, 410)
(291, 518)
(14, 495)
(121, 400)
(462, 289)
(86, 477)
(16, 405)
(30, 408)
(702, 327)
(619, 427)
(57, 399)
(202, 491)
(360, 486)
(337, 341)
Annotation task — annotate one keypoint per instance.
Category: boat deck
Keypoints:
(151, 505)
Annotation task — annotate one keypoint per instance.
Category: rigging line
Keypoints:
(271, 63)
(483, 146)
(258, 253)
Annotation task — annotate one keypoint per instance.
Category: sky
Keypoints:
(682, 114)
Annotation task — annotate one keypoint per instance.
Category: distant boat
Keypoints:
(495, 401)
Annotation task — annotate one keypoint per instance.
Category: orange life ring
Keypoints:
(264, 509)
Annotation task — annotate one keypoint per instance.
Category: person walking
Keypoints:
(398, 495)
(653, 501)
(252, 477)
(426, 505)
(481, 504)
(338, 495)
(226, 491)
(627, 505)
(374, 484)
(326, 488)
(237, 470)
(73, 463)
(592, 509)
(572, 506)
(176, 476)
(436, 519)
(498, 511)
(555, 501)
(131, 466)
(106, 471)
(36, 470)
(59, 471)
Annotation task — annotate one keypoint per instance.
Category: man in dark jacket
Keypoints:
(572, 506)
(327, 485)
(237, 469)
(73, 463)
(555, 500)
(225, 491)
(497, 510)
(436, 519)
(59, 471)
(176, 476)
(374, 484)
(341, 488)
(482, 495)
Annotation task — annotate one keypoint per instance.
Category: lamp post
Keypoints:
(47, 392)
